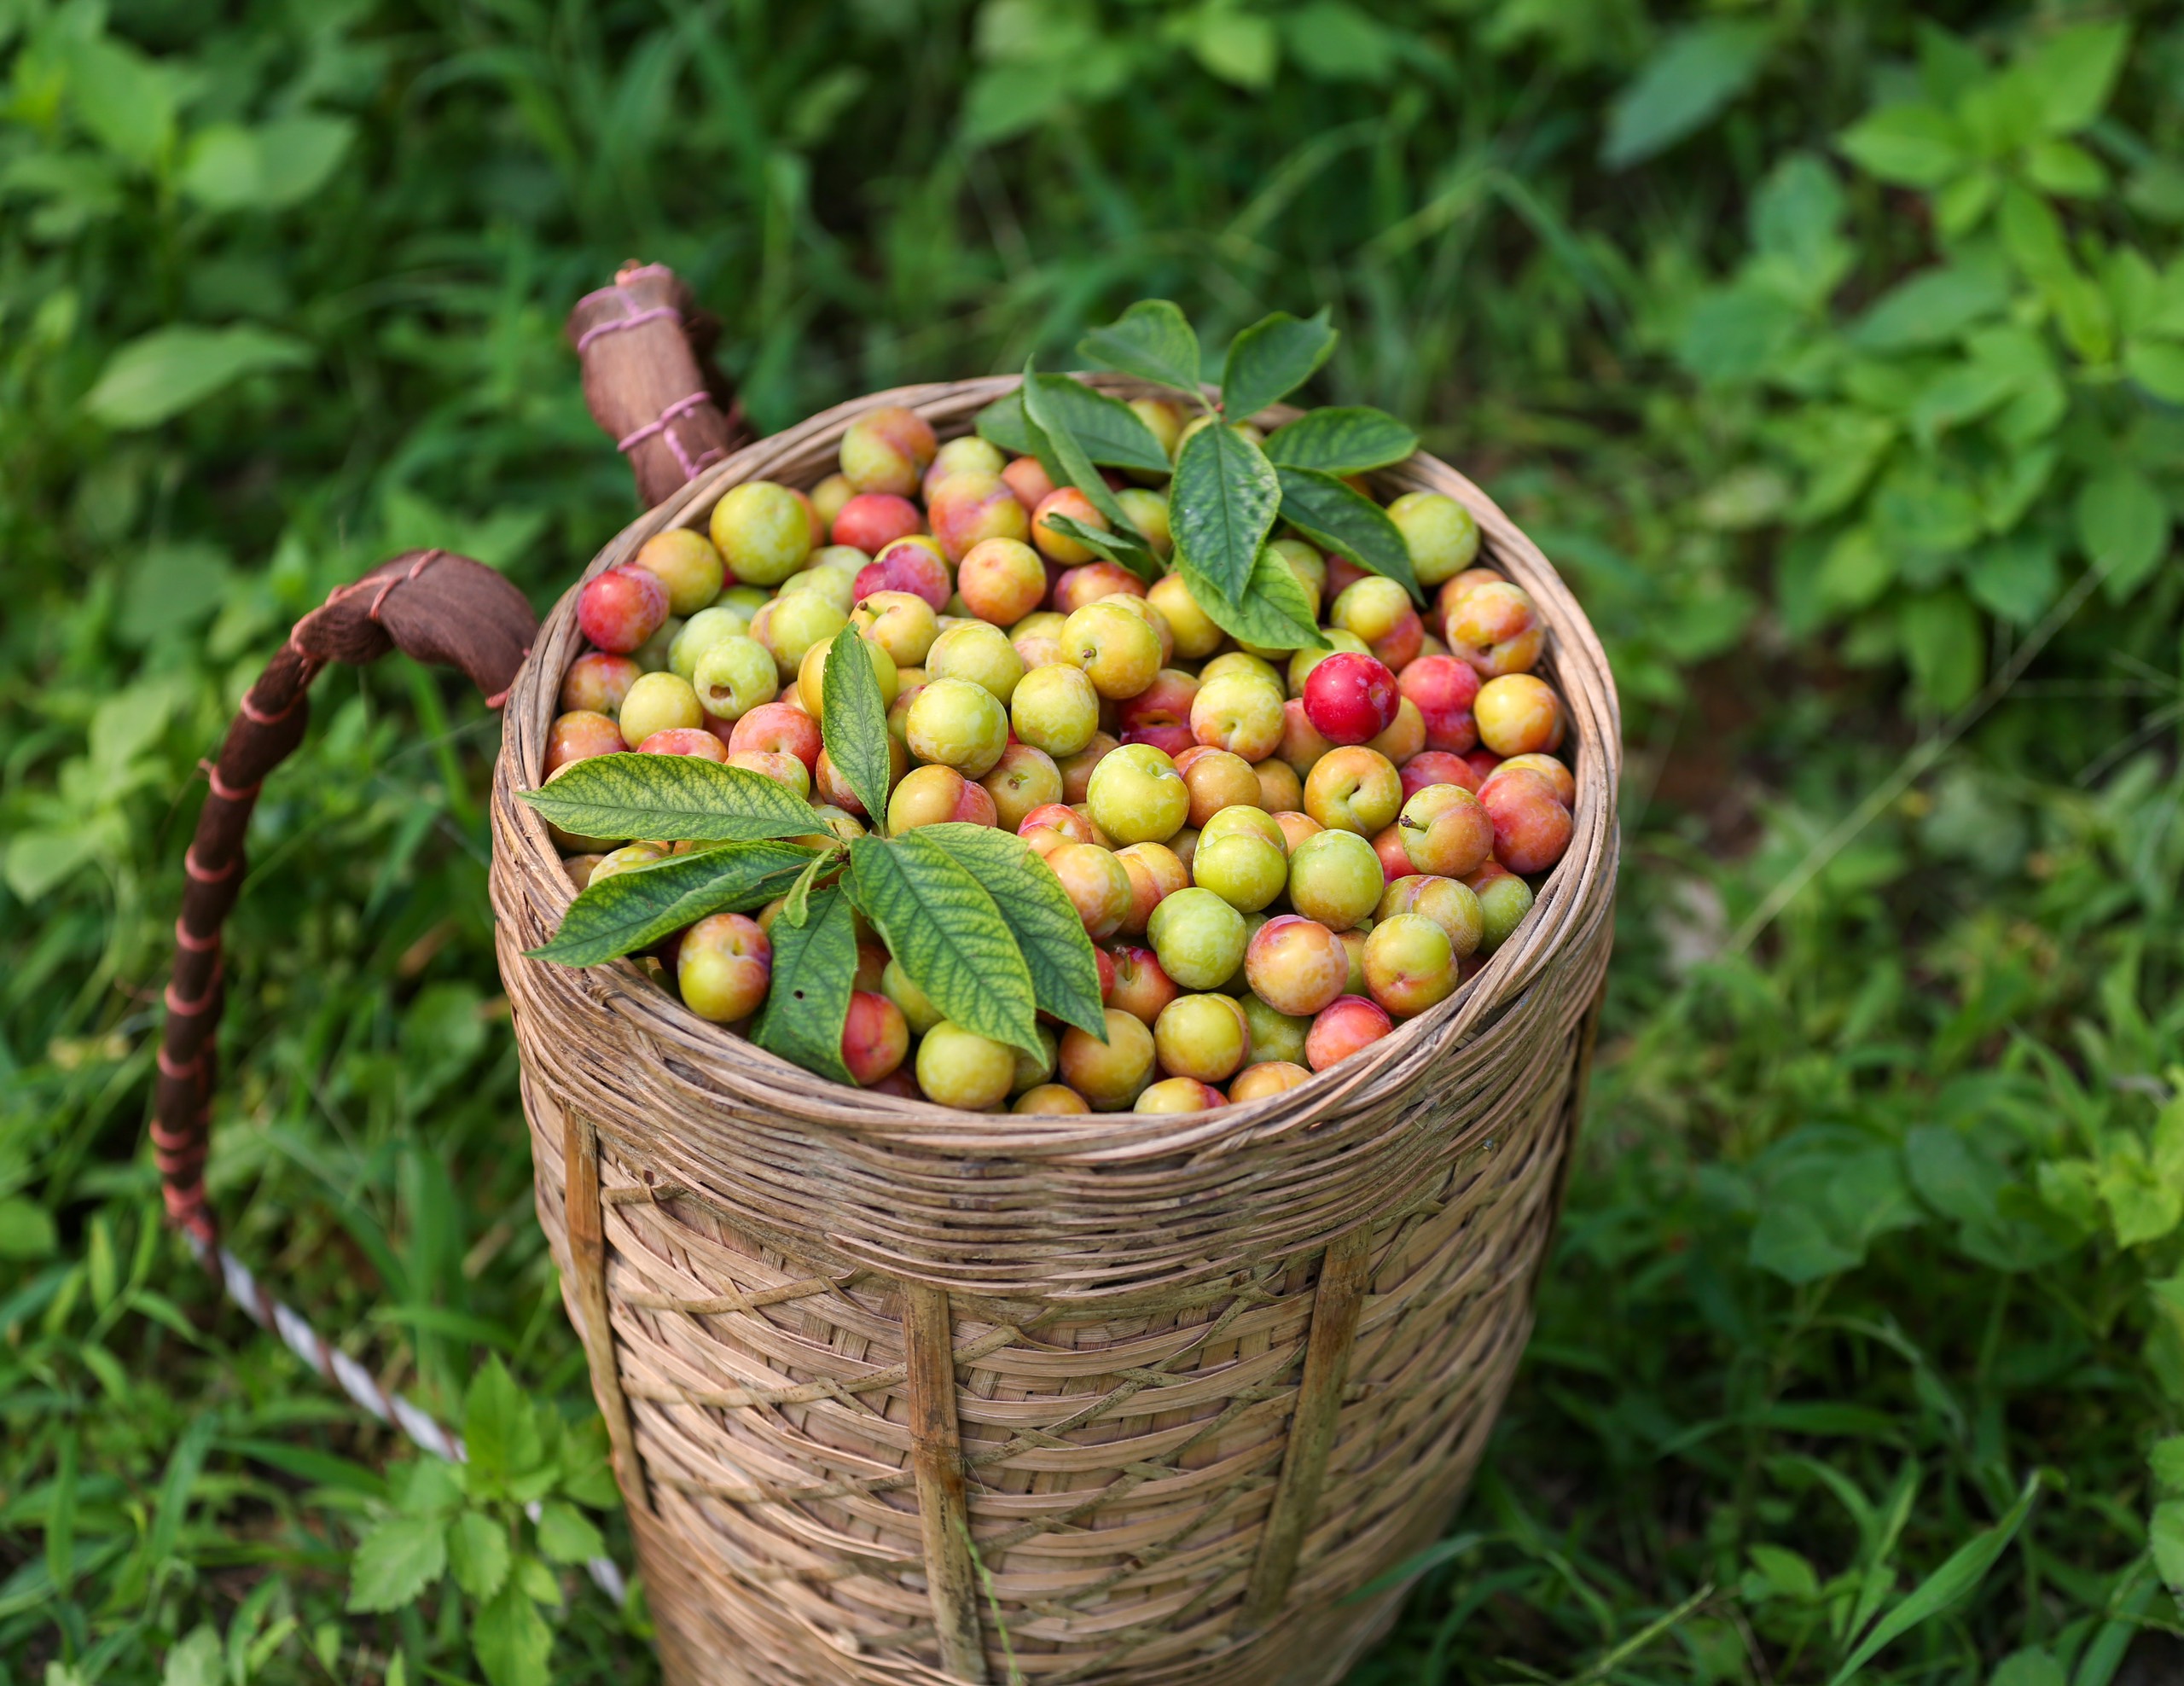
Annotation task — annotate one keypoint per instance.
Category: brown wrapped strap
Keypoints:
(429, 604)
(647, 380)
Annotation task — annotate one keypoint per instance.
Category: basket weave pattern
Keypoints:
(902, 1395)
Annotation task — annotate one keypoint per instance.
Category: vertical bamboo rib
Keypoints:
(586, 1222)
(1343, 1276)
(937, 1454)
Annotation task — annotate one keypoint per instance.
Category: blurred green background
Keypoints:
(1836, 353)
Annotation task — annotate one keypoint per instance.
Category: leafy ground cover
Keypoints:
(1836, 354)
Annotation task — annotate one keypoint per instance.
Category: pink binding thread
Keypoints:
(258, 717)
(226, 792)
(674, 412)
(189, 865)
(618, 324)
(189, 1009)
(185, 938)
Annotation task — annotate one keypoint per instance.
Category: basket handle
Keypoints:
(649, 378)
(430, 604)
(649, 381)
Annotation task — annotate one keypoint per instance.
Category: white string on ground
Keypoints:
(353, 1379)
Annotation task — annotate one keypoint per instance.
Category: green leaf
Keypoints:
(500, 1432)
(1271, 359)
(1003, 101)
(1914, 146)
(1152, 340)
(1238, 47)
(478, 1553)
(1221, 508)
(2157, 366)
(1695, 73)
(511, 1638)
(1109, 431)
(853, 724)
(2016, 577)
(2066, 168)
(670, 798)
(2122, 524)
(1335, 518)
(169, 370)
(2074, 71)
(1947, 1586)
(1273, 612)
(1115, 547)
(1930, 308)
(125, 99)
(946, 932)
(566, 1534)
(2028, 1667)
(1341, 439)
(228, 167)
(795, 908)
(398, 1559)
(808, 1001)
(196, 1661)
(1049, 410)
(2165, 1536)
(635, 909)
(1341, 43)
(2166, 1461)
(26, 1229)
(428, 1486)
(1001, 424)
(1736, 332)
(1945, 646)
(1049, 932)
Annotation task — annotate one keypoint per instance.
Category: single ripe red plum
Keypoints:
(1091, 581)
(1344, 1028)
(579, 735)
(875, 1037)
(1435, 766)
(1142, 987)
(1532, 829)
(871, 521)
(1443, 688)
(1350, 698)
(779, 727)
(619, 610)
(597, 680)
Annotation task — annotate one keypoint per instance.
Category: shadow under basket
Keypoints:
(900, 1394)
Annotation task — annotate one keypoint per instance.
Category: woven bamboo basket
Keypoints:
(901, 1395)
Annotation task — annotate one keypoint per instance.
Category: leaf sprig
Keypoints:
(1227, 490)
(968, 912)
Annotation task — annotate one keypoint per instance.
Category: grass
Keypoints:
(1876, 1217)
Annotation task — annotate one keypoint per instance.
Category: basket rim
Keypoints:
(1575, 898)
